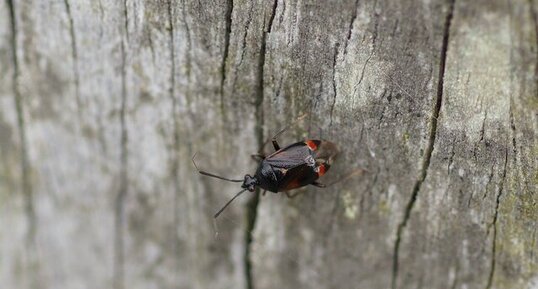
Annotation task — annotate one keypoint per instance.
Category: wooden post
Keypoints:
(103, 104)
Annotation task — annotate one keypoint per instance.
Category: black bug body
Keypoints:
(291, 167)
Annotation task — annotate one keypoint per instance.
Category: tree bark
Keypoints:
(103, 104)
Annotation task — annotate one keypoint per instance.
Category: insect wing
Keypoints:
(289, 157)
(301, 163)
(297, 177)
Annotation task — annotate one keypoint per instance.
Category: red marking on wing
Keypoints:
(293, 184)
(322, 169)
(312, 144)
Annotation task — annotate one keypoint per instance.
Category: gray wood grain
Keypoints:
(103, 104)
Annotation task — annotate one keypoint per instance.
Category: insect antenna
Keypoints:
(212, 175)
(231, 200)
(300, 118)
(290, 125)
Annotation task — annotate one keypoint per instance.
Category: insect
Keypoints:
(291, 167)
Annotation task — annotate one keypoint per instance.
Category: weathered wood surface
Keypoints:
(103, 103)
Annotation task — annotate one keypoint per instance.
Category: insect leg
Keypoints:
(291, 196)
(275, 143)
(355, 172)
(273, 139)
(319, 185)
(257, 157)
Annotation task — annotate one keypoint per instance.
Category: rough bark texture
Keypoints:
(103, 103)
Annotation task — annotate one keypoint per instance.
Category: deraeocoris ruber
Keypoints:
(291, 167)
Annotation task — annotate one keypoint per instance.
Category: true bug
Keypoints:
(291, 167)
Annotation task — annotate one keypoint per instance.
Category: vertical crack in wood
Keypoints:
(119, 206)
(272, 17)
(335, 56)
(494, 223)
(237, 64)
(126, 19)
(364, 67)
(227, 33)
(151, 48)
(481, 133)
(513, 128)
(376, 26)
(74, 54)
(244, 39)
(26, 183)
(175, 153)
(351, 23)
(482, 129)
(252, 205)
(429, 148)
(188, 50)
(450, 159)
(534, 15)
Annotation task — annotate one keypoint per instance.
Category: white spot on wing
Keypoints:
(309, 160)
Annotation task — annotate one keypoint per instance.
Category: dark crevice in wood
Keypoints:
(119, 205)
(187, 51)
(252, 205)
(350, 28)
(25, 173)
(242, 48)
(494, 223)
(364, 67)
(382, 116)
(244, 41)
(376, 26)
(227, 33)
(534, 15)
(272, 18)
(26, 184)
(429, 148)
(252, 212)
(335, 56)
(450, 160)
(126, 19)
(151, 48)
(513, 128)
(175, 153)
(482, 129)
(74, 54)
